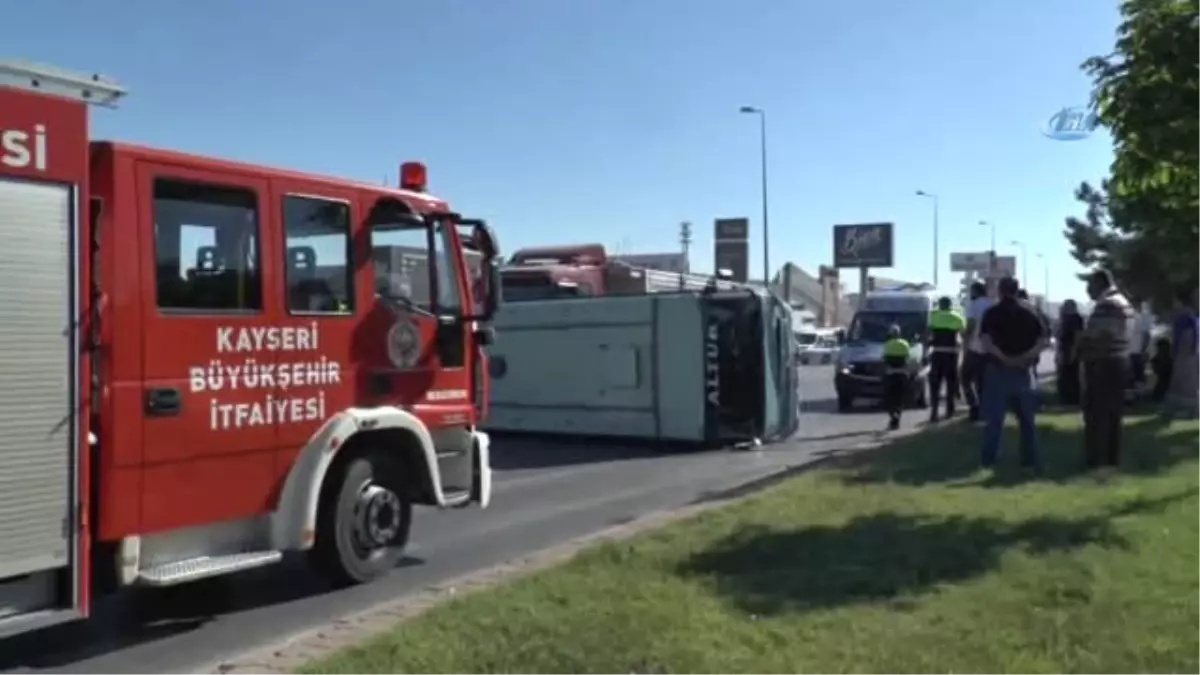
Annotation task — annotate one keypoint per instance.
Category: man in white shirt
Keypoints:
(972, 365)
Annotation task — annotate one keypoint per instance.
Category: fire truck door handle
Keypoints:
(162, 401)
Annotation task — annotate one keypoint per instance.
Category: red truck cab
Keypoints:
(547, 272)
(205, 365)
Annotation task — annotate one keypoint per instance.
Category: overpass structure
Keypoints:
(823, 298)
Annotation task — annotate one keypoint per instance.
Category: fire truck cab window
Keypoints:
(318, 274)
(402, 269)
(206, 247)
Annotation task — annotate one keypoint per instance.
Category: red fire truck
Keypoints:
(203, 365)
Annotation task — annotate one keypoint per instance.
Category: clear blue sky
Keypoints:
(565, 121)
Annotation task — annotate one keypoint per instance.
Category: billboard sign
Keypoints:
(863, 245)
(970, 262)
(731, 248)
(731, 228)
(1006, 266)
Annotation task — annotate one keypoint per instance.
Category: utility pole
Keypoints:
(685, 245)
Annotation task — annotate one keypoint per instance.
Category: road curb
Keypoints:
(289, 653)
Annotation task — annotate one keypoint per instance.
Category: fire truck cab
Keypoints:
(205, 365)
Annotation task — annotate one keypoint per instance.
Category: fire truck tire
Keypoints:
(363, 521)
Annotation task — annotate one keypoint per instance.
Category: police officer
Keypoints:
(896, 354)
(942, 345)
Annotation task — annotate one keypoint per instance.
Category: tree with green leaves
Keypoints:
(1142, 222)
(1136, 258)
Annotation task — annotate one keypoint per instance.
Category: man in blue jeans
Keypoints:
(1012, 336)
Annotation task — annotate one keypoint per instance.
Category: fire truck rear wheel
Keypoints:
(364, 520)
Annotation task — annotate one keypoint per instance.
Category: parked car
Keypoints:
(823, 351)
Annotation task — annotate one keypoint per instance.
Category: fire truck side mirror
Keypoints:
(491, 291)
(482, 241)
(485, 336)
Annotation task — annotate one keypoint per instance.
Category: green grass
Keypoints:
(906, 559)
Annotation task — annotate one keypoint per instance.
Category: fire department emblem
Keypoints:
(404, 343)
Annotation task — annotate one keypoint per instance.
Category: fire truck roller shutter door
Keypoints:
(294, 523)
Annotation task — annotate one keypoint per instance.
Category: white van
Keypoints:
(816, 345)
(859, 372)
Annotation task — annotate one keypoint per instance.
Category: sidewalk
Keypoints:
(902, 559)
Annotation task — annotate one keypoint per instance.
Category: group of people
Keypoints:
(991, 355)
(1170, 358)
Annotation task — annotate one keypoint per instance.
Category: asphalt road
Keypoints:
(544, 493)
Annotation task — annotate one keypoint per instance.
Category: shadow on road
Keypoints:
(859, 434)
(829, 406)
(145, 615)
(511, 451)
(879, 557)
(871, 407)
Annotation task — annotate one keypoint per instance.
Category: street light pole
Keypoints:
(1046, 280)
(766, 225)
(930, 195)
(1024, 263)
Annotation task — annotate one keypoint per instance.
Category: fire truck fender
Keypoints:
(294, 523)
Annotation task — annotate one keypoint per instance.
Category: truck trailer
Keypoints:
(550, 272)
(205, 367)
(698, 368)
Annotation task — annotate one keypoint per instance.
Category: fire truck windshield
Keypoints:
(406, 273)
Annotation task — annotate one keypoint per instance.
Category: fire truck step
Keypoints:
(183, 571)
(455, 497)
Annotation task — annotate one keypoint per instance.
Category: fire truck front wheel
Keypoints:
(364, 520)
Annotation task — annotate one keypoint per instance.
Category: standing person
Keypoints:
(1066, 359)
(896, 355)
(972, 366)
(1139, 345)
(942, 345)
(1185, 378)
(1104, 350)
(1013, 337)
(1023, 296)
(1162, 362)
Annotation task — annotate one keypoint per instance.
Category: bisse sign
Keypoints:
(863, 245)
